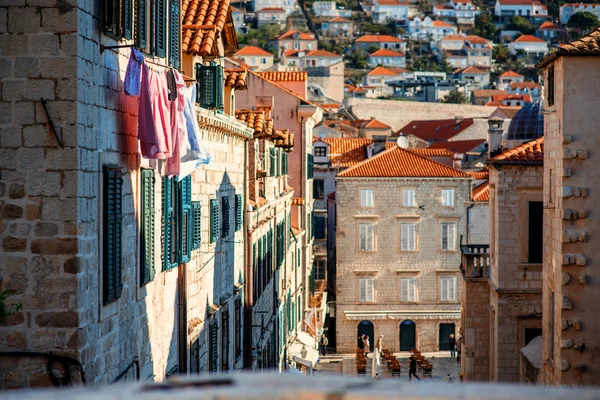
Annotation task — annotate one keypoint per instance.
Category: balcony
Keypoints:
(475, 261)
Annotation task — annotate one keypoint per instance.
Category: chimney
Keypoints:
(265, 103)
(379, 144)
(458, 119)
(457, 161)
(494, 135)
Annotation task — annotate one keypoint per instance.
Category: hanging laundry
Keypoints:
(132, 74)
(153, 118)
(171, 84)
(194, 153)
(178, 124)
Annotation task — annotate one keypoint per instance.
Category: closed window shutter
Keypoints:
(444, 236)
(550, 84)
(238, 328)
(210, 78)
(214, 347)
(404, 289)
(362, 289)
(451, 241)
(225, 212)
(127, 18)
(225, 339)
(272, 162)
(451, 289)
(169, 225)
(160, 37)
(174, 32)
(260, 266)
(197, 235)
(370, 237)
(444, 289)
(239, 212)
(185, 219)
(254, 274)
(269, 257)
(112, 234)
(142, 24)
(412, 283)
(370, 289)
(214, 220)
(148, 227)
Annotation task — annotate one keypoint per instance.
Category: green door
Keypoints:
(445, 331)
(408, 335)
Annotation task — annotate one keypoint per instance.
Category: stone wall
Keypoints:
(479, 224)
(328, 177)
(333, 84)
(475, 329)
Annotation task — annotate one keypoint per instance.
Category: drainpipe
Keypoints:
(249, 284)
(182, 317)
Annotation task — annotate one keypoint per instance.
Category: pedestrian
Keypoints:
(449, 379)
(380, 344)
(376, 364)
(458, 348)
(323, 344)
(452, 343)
(412, 369)
(361, 343)
(367, 343)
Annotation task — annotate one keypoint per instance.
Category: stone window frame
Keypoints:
(443, 273)
(408, 273)
(454, 190)
(366, 274)
(527, 195)
(414, 189)
(360, 188)
(448, 220)
(403, 219)
(361, 219)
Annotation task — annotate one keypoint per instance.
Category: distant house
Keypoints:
(395, 10)
(367, 128)
(462, 12)
(452, 42)
(478, 78)
(367, 42)
(533, 10)
(312, 58)
(238, 18)
(338, 26)
(388, 58)
(566, 11)
(427, 132)
(549, 31)
(257, 58)
(533, 48)
(529, 88)
(509, 100)
(483, 96)
(296, 40)
(271, 15)
(456, 58)
(325, 9)
(509, 77)
(428, 29)
(359, 92)
(288, 5)
(479, 52)
(379, 78)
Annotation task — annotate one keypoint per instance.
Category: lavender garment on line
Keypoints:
(132, 74)
(195, 147)
(151, 135)
(178, 126)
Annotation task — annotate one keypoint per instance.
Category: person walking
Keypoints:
(452, 343)
(361, 343)
(458, 348)
(367, 344)
(412, 369)
(380, 344)
(376, 364)
(323, 342)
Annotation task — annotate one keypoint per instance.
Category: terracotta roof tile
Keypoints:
(370, 124)
(509, 111)
(301, 35)
(448, 38)
(281, 76)
(531, 152)
(482, 192)
(256, 120)
(378, 39)
(478, 175)
(203, 13)
(588, 45)
(515, 2)
(388, 3)
(397, 162)
(488, 92)
(431, 152)
(386, 53)
(476, 39)
(511, 74)
(236, 78)
(339, 19)
(470, 70)
(528, 39)
(321, 53)
(344, 152)
(382, 71)
(252, 51)
(442, 24)
(458, 146)
(438, 130)
(271, 10)
(549, 25)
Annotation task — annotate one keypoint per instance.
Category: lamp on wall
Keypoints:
(303, 351)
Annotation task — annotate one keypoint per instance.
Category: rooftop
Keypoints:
(442, 24)
(588, 45)
(476, 39)
(252, 51)
(381, 71)
(339, 19)
(277, 10)
(386, 53)
(284, 76)
(454, 37)
(470, 70)
(198, 13)
(527, 123)
(378, 39)
(549, 25)
(296, 35)
(344, 152)
(458, 146)
(511, 74)
(528, 39)
(370, 124)
(236, 78)
(488, 92)
(436, 130)
(524, 85)
(531, 152)
(257, 121)
(482, 193)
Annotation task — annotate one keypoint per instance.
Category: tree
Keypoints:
(500, 53)
(583, 21)
(455, 97)
(520, 24)
(484, 26)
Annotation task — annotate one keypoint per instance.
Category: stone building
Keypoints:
(570, 326)
(399, 219)
(116, 264)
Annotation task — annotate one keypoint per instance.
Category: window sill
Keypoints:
(533, 266)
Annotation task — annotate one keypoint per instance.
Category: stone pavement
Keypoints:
(345, 365)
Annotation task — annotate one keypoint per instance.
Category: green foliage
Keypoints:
(260, 37)
(520, 24)
(7, 310)
(484, 26)
(583, 21)
(455, 97)
(369, 27)
(500, 53)
(332, 46)
(356, 59)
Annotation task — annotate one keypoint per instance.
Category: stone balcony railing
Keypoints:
(475, 260)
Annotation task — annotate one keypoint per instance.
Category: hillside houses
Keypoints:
(533, 10)
(462, 12)
(428, 29)
(368, 42)
(387, 58)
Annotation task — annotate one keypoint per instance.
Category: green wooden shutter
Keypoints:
(197, 213)
(239, 212)
(127, 18)
(293, 316)
(269, 255)
(276, 159)
(185, 219)
(174, 34)
(169, 222)
(260, 267)
(160, 31)
(214, 347)
(148, 228)
(211, 80)
(214, 220)
(141, 38)
(220, 96)
(112, 234)
(254, 274)
(272, 162)
(225, 212)
(309, 166)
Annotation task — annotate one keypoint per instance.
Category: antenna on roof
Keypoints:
(402, 142)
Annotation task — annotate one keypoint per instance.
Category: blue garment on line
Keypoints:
(132, 74)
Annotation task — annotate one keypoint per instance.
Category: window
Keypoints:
(213, 349)
(551, 328)
(318, 188)
(178, 229)
(448, 197)
(366, 197)
(214, 220)
(535, 232)
(310, 166)
(147, 250)
(366, 289)
(320, 269)
(550, 85)
(320, 151)
(186, 231)
(408, 287)
(551, 187)
(366, 239)
(211, 81)
(197, 234)
(112, 219)
(319, 226)
(408, 237)
(239, 212)
(448, 288)
(118, 18)
(238, 328)
(263, 60)
(169, 227)
(448, 236)
(225, 218)
(225, 339)
(408, 197)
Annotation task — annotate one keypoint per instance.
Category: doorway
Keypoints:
(366, 328)
(408, 335)
(445, 331)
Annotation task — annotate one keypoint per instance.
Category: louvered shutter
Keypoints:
(260, 266)
(269, 256)
(214, 220)
(225, 212)
(197, 234)
(271, 162)
(127, 18)
(451, 289)
(239, 212)
(370, 289)
(444, 236)
(170, 250)
(174, 34)
(112, 234)
(362, 290)
(404, 289)
(147, 263)
(550, 84)
(210, 78)
(185, 219)
(451, 234)
(225, 339)
(444, 289)
(142, 24)
(254, 274)
(214, 346)
(160, 21)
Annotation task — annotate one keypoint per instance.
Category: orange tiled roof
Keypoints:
(256, 120)
(252, 51)
(531, 152)
(443, 7)
(548, 25)
(281, 76)
(488, 92)
(283, 138)
(378, 39)
(381, 71)
(211, 15)
(588, 45)
(442, 24)
(388, 3)
(302, 36)
(339, 19)
(528, 39)
(473, 70)
(478, 175)
(396, 162)
(482, 192)
(386, 53)
(271, 10)
(454, 37)
(524, 85)
(511, 74)
(430, 152)
(501, 97)
(509, 111)
(235, 78)
(370, 124)
(344, 152)
(476, 39)
(431, 130)
(321, 53)
(458, 146)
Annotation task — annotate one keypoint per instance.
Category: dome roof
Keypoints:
(528, 123)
